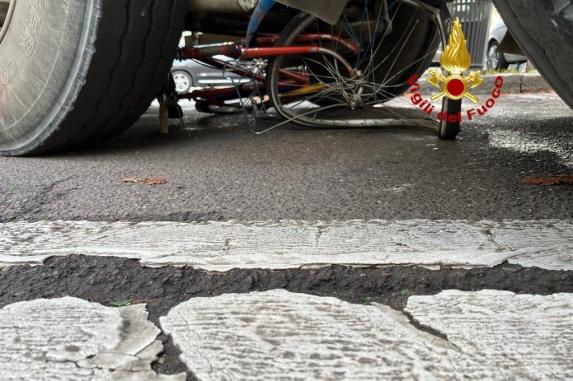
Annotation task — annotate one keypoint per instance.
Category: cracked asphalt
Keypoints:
(217, 169)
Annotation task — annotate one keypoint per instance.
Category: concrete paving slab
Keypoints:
(528, 337)
(72, 339)
(221, 246)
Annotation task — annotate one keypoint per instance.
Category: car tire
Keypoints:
(78, 72)
(544, 30)
(183, 81)
(495, 59)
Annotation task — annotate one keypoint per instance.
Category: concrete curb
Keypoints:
(513, 84)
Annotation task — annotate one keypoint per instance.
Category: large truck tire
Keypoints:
(76, 72)
(544, 31)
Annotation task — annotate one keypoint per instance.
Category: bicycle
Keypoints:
(349, 74)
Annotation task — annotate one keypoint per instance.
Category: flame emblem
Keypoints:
(456, 57)
(455, 60)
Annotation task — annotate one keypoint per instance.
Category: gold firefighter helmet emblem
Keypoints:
(455, 61)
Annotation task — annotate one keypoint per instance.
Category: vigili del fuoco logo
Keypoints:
(455, 81)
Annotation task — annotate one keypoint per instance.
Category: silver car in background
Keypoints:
(188, 74)
(496, 59)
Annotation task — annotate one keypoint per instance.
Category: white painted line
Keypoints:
(491, 335)
(221, 246)
(528, 337)
(301, 337)
(71, 339)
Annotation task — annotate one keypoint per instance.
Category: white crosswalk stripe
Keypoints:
(487, 335)
(72, 339)
(221, 246)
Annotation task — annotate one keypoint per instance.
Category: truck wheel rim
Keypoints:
(6, 12)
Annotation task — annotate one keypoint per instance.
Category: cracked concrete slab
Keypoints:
(280, 335)
(72, 339)
(527, 337)
(221, 246)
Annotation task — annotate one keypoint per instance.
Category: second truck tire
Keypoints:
(544, 30)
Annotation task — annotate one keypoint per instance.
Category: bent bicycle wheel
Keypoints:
(363, 61)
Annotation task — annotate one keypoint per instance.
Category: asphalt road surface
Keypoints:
(217, 169)
(168, 301)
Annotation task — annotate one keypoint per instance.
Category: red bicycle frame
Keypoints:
(206, 54)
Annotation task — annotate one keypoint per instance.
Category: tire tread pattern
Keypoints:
(133, 52)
